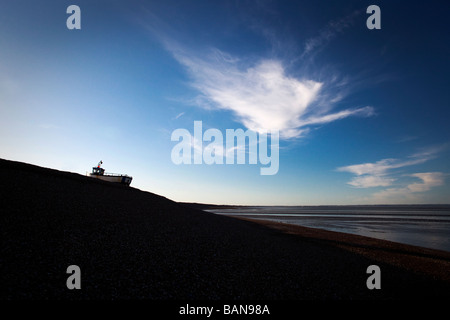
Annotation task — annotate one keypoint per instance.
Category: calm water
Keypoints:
(425, 225)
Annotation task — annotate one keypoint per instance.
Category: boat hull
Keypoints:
(126, 180)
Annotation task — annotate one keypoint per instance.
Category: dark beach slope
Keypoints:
(132, 244)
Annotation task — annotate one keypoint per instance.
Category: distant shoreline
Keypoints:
(206, 206)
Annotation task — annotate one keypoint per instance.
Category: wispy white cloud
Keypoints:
(262, 96)
(374, 174)
(179, 115)
(429, 180)
(368, 181)
(382, 174)
(412, 192)
(379, 174)
(329, 32)
(262, 93)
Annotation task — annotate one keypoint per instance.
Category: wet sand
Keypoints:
(131, 244)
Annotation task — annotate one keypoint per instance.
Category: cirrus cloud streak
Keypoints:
(262, 95)
(382, 174)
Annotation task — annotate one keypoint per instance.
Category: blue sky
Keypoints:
(362, 114)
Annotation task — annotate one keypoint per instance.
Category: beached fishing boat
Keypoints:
(99, 173)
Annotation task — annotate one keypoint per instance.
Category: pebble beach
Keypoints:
(135, 245)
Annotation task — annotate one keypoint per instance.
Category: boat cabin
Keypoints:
(98, 171)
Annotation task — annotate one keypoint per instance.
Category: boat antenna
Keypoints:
(99, 164)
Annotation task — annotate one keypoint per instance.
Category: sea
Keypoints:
(420, 225)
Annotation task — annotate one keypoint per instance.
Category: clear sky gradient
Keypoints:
(363, 114)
